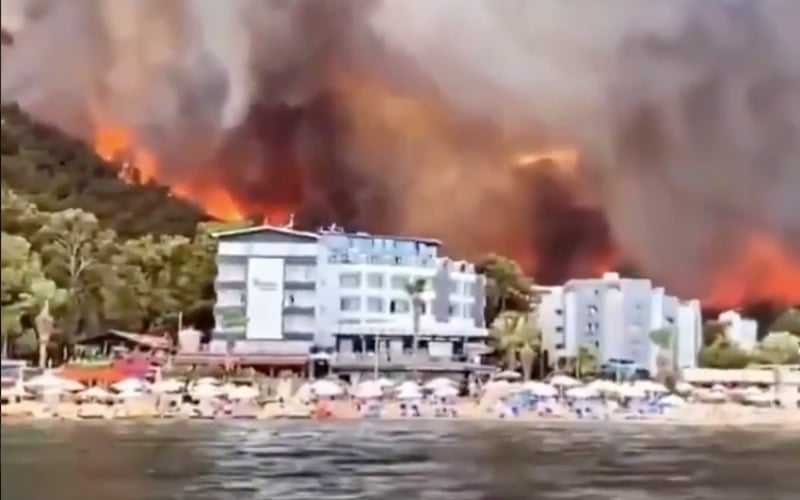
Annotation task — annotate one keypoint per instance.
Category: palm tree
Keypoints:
(517, 337)
(586, 362)
(415, 288)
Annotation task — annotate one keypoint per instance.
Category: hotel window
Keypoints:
(350, 280)
(375, 304)
(399, 306)
(399, 282)
(454, 287)
(350, 303)
(375, 280)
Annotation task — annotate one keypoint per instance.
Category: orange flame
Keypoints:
(764, 271)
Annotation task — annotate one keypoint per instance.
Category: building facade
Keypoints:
(278, 288)
(613, 317)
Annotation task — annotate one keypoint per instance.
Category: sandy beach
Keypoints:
(698, 414)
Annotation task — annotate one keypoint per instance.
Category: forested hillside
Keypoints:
(56, 172)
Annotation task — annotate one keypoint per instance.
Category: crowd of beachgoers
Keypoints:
(49, 396)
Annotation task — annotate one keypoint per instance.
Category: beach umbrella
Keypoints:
(713, 396)
(672, 401)
(304, 392)
(167, 386)
(129, 385)
(604, 386)
(326, 388)
(760, 398)
(580, 393)
(385, 382)
(542, 390)
(409, 392)
(497, 385)
(95, 393)
(126, 395)
(719, 388)
(434, 384)
(243, 393)
(564, 381)
(207, 381)
(684, 388)
(650, 386)
(445, 391)
(17, 391)
(205, 391)
(368, 390)
(409, 385)
(51, 383)
(507, 375)
(631, 391)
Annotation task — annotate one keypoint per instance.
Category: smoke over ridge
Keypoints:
(416, 116)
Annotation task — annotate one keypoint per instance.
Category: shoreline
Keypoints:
(696, 416)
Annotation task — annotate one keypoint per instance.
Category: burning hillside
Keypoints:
(570, 137)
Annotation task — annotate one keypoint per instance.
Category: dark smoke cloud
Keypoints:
(406, 115)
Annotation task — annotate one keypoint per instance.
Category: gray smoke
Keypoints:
(686, 112)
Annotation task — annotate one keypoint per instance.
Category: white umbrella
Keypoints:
(385, 382)
(409, 393)
(601, 385)
(543, 390)
(96, 393)
(496, 385)
(672, 401)
(436, 383)
(631, 391)
(409, 385)
(762, 398)
(129, 385)
(243, 392)
(368, 390)
(167, 386)
(207, 381)
(15, 391)
(446, 391)
(719, 388)
(326, 388)
(48, 380)
(507, 375)
(580, 393)
(651, 386)
(713, 396)
(684, 388)
(564, 381)
(125, 395)
(204, 391)
(304, 392)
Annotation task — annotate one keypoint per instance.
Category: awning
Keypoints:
(240, 359)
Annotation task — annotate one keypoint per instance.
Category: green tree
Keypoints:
(664, 340)
(517, 337)
(778, 349)
(415, 290)
(788, 321)
(24, 287)
(78, 256)
(507, 287)
(713, 330)
(723, 354)
(587, 362)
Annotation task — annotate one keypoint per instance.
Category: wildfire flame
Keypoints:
(762, 271)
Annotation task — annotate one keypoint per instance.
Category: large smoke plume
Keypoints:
(411, 116)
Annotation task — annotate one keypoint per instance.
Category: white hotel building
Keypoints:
(613, 317)
(282, 289)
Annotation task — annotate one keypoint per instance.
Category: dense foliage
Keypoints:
(57, 172)
(92, 278)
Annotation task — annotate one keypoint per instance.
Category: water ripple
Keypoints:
(393, 460)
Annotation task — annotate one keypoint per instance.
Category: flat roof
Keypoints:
(315, 236)
(266, 229)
